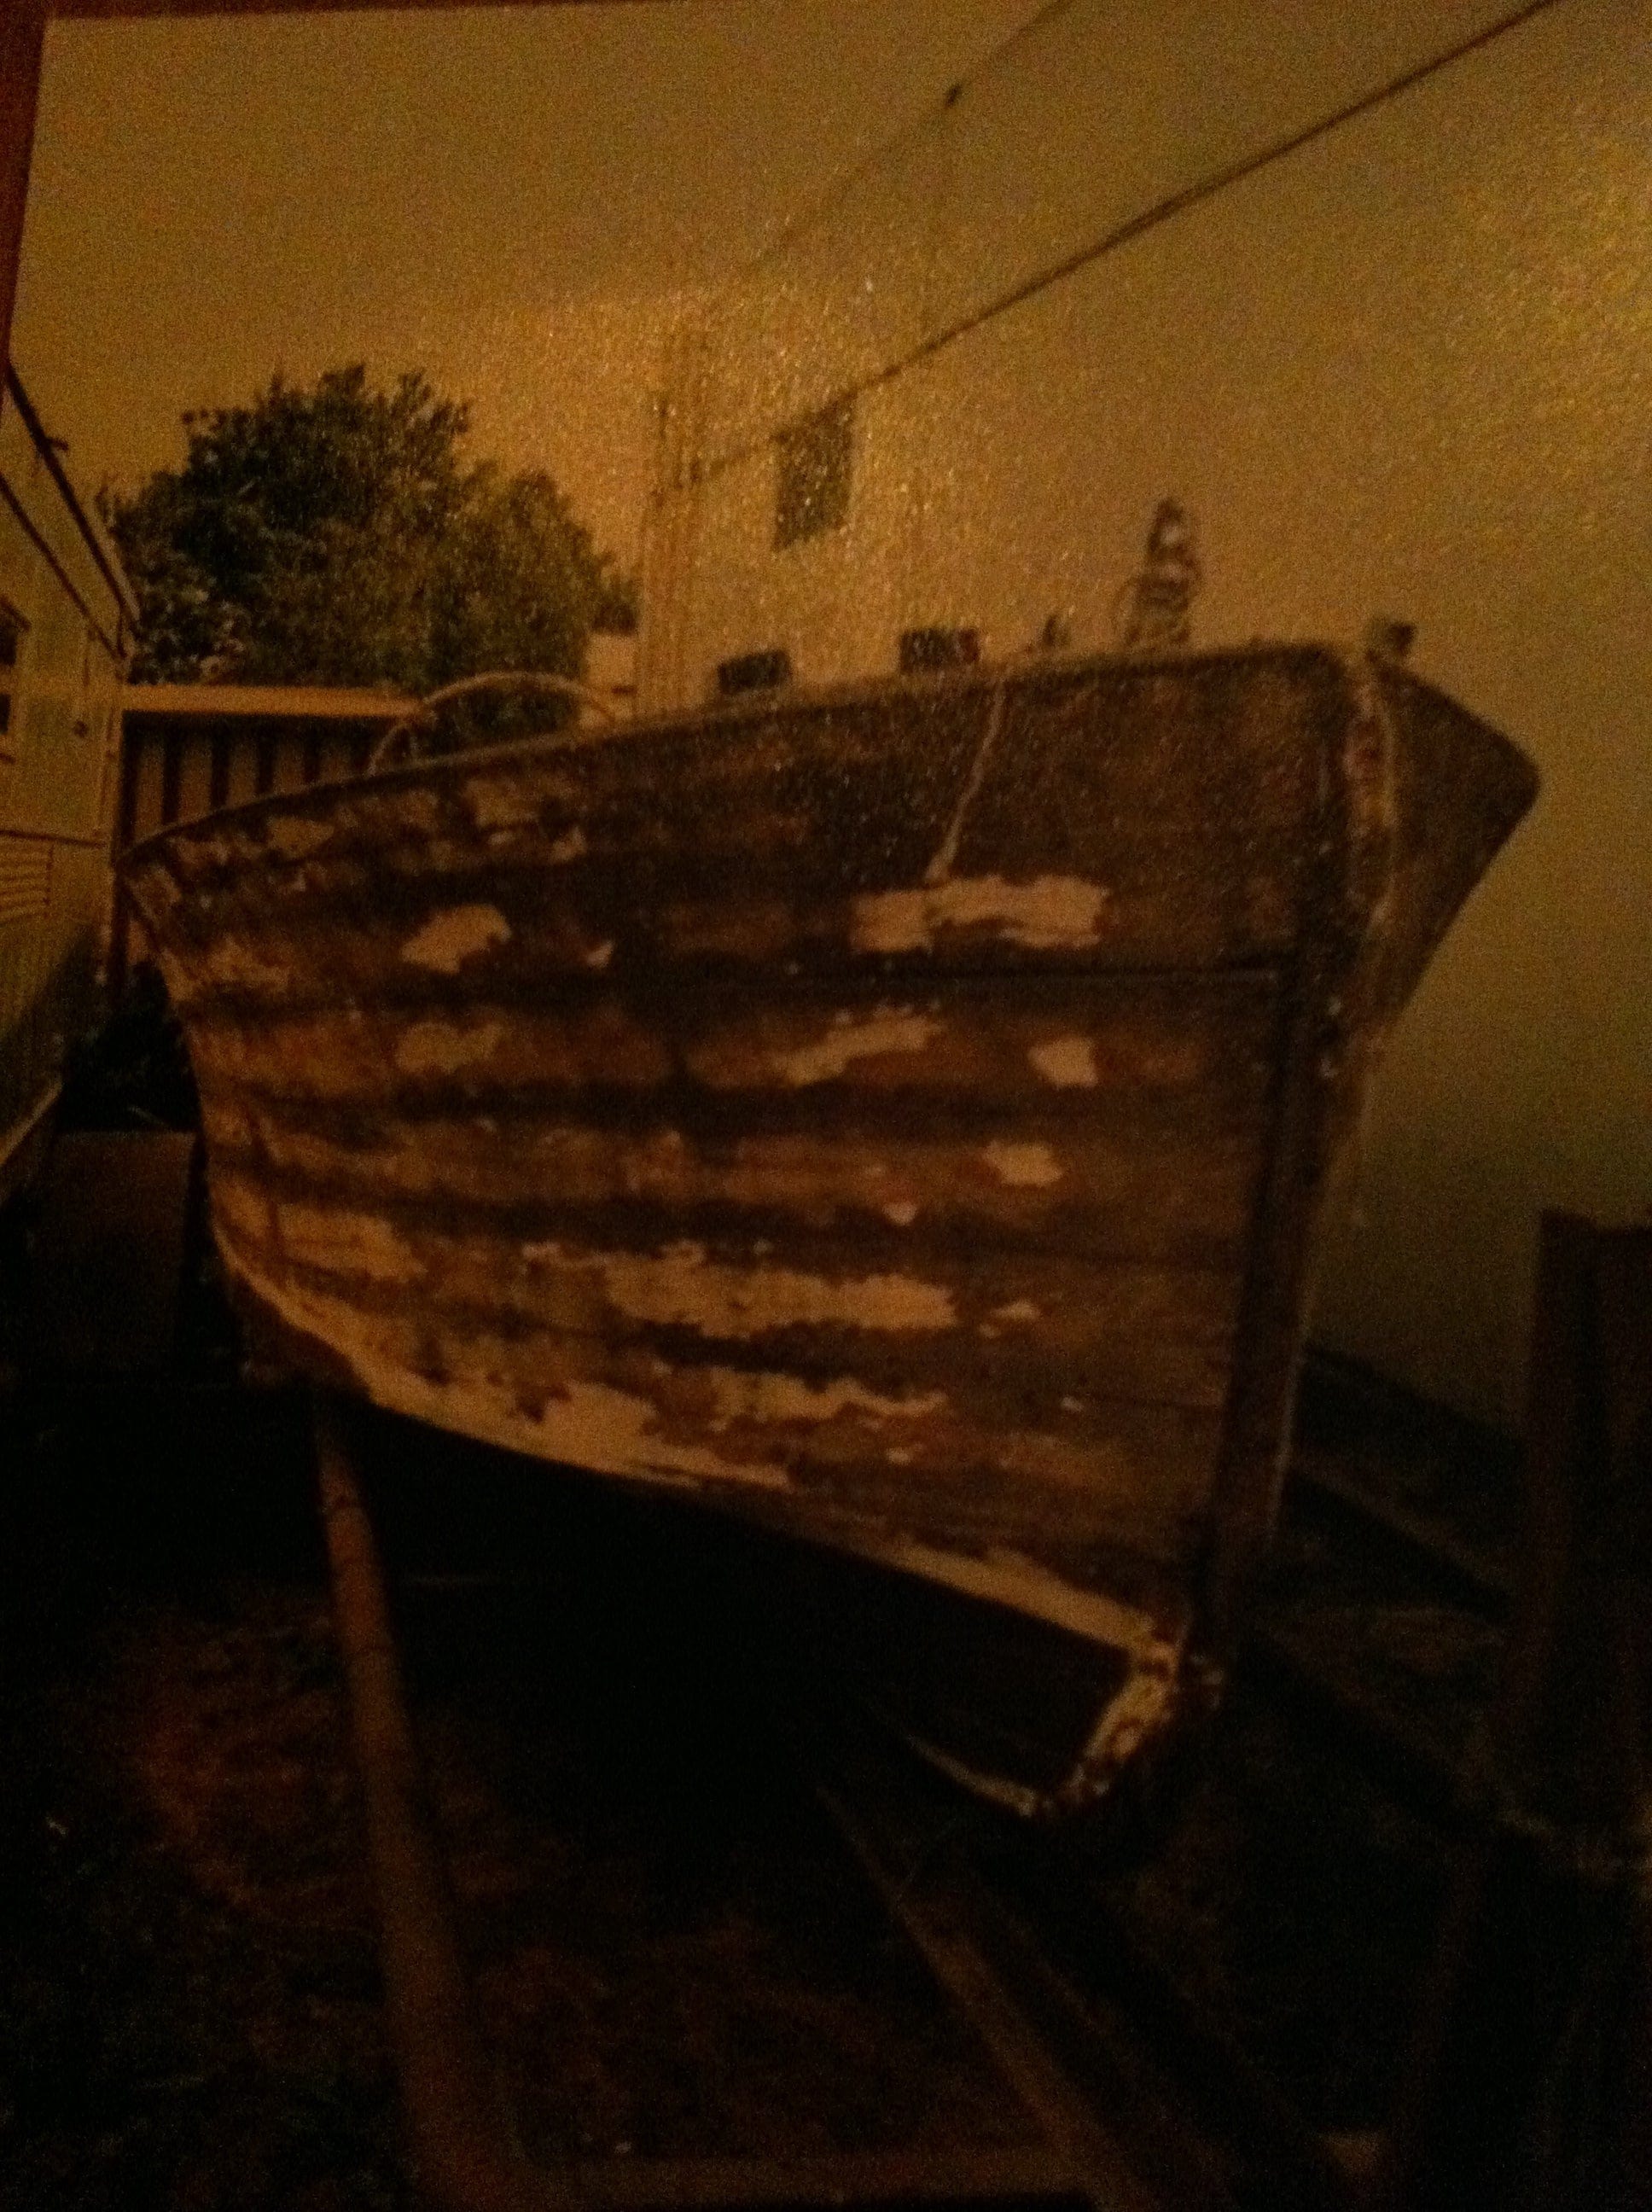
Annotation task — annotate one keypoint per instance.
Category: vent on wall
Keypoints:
(922, 650)
(812, 478)
(753, 672)
(12, 626)
(25, 878)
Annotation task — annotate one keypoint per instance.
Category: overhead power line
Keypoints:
(1133, 227)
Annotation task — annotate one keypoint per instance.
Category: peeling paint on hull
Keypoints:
(898, 1115)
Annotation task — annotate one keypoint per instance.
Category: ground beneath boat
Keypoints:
(674, 1956)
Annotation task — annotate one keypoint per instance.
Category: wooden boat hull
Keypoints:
(898, 1115)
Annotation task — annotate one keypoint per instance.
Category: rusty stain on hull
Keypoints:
(898, 1115)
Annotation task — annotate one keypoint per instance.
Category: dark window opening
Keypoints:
(753, 672)
(811, 491)
(937, 647)
(12, 626)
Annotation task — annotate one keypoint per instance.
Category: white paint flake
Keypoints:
(295, 837)
(680, 1288)
(903, 1213)
(444, 1047)
(1152, 1655)
(600, 954)
(236, 963)
(628, 1433)
(1050, 912)
(592, 1425)
(1022, 1166)
(742, 1396)
(1017, 1310)
(449, 940)
(346, 1242)
(1137, 1712)
(887, 1029)
(586, 1423)
(1068, 1062)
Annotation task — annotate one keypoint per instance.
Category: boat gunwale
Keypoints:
(782, 703)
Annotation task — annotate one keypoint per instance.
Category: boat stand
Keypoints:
(464, 2154)
(1526, 2082)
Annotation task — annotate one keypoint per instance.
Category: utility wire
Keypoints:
(841, 186)
(1173, 203)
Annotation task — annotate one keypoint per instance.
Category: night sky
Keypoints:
(509, 198)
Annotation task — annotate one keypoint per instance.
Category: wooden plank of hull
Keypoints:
(968, 1464)
(899, 1114)
(1161, 1334)
(993, 1056)
(813, 836)
(1167, 1192)
(941, 1339)
(1059, 1647)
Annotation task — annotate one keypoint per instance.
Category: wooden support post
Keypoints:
(1530, 2085)
(453, 2099)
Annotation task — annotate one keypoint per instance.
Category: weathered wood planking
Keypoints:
(760, 838)
(1074, 1331)
(1127, 1475)
(899, 1113)
(1165, 1192)
(1000, 1053)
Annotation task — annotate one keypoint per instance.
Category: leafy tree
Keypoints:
(339, 535)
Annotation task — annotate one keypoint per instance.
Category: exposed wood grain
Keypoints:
(805, 1062)
(920, 1407)
(1113, 1187)
(795, 1448)
(1053, 1330)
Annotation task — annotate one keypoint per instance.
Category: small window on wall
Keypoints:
(811, 487)
(12, 626)
(921, 651)
(766, 671)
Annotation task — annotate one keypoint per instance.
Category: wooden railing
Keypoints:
(188, 749)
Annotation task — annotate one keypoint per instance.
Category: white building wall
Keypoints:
(1407, 369)
(58, 755)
